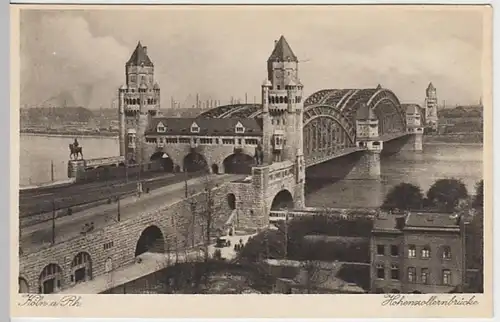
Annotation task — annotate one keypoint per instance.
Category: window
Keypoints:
(380, 250)
(394, 250)
(446, 277)
(394, 272)
(424, 276)
(446, 252)
(380, 271)
(195, 128)
(412, 251)
(161, 128)
(184, 140)
(240, 128)
(426, 252)
(411, 274)
(108, 245)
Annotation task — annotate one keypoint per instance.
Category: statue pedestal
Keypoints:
(76, 168)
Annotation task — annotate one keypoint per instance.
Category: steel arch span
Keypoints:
(325, 132)
(384, 103)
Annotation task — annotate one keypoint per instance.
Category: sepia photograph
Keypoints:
(284, 150)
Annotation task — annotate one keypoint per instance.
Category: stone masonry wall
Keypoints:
(213, 154)
(175, 222)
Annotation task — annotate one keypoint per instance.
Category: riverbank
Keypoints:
(475, 138)
(69, 134)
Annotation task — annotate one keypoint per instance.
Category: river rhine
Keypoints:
(461, 161)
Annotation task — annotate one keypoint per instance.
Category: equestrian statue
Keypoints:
(75, 150)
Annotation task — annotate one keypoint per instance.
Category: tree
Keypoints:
(404, 196)
(445, 194)
(478, 201)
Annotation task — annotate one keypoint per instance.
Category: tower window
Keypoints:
(277, 87)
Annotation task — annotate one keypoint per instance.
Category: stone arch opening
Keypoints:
(231, 201)
(215, 168)
(50, 279)
(238, 163)
(81, 268)
(164, 160)
(23, 286)
(283, 200)
(194, 162)
(416, 292)
(151, 240)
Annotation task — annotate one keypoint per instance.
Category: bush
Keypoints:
(331, 248)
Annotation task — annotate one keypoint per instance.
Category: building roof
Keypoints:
(365, 113)
(412, 108)
(415, 220)
(282, 52)
(431, 87)
(208, 126)
(139, 57)
(386, 223)
(431, 220)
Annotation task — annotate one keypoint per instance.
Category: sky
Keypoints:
(78, 57)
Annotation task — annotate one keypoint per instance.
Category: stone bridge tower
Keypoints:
(279, 181)
(431, 102)
(139, 101)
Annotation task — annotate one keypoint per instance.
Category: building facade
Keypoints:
(417, 253)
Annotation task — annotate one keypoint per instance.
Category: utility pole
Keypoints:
(286, 234)
(53, 221)
(246, 101)
(185, 183)
(119, 210)
(197, 100)
(52, 170)
(172, 102)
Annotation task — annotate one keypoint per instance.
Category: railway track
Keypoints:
(92, 193)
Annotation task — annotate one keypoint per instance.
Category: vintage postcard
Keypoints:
(297, 159)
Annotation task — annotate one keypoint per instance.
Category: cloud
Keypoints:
(62, 60)
(220, 52)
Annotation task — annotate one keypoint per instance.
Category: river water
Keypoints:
(461, 161)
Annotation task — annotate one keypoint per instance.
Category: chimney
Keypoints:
(400, 222)
(275, 42)
(145, 48)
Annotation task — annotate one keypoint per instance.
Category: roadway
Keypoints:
(39, 235)
(38, 201)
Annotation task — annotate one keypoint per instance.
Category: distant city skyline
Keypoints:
(78, 57)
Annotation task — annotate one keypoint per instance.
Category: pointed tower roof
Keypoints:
(379, 86)
(282, 51)
(139, 56)
(431, 87)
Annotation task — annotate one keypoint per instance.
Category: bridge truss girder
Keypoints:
(326, 131)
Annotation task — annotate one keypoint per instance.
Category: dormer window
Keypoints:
(160, 128)
(195, 128)
(240, 128)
